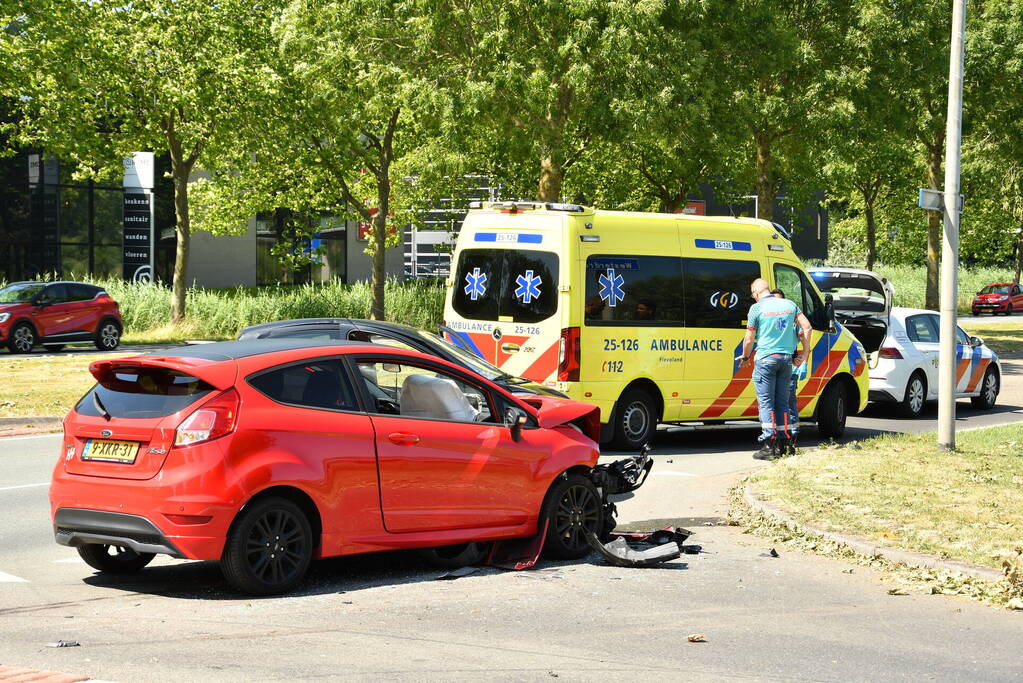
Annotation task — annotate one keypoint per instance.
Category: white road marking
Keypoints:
(672, 473)
(10, 578)
(22, 486)
(54, 435)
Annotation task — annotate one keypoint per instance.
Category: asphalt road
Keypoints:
(796, 617)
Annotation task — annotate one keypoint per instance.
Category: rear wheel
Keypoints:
(269, 547)
(572, 505)
(454, 556)
(22, 338)
(988, 391)
(916, 396)
(53, 348)
(114, 559)
(108, 335)
(635, 420)
(831, 411)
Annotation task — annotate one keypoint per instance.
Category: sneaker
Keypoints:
(768, 450)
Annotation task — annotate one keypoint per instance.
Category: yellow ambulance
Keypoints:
(642, 314)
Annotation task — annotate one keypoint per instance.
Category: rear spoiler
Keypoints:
(220, 374)
(553, 411)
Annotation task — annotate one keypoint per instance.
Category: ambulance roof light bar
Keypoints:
(521, 205)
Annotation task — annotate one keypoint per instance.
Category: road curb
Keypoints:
(20, 426)
(865, 546)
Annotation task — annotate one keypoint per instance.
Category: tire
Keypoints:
(454, 556)
(1008, 310)
(831, 411)
(53, 348)
(114, 559)
(572, 504)
(256, 560)
(915, 398)
(988, 391)
(22, 339)
(108, 335)
(635, 418)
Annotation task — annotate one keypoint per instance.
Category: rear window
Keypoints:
(852, 291)
(143, 393)
(517, 284)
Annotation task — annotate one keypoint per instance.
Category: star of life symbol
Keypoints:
(528, 287)
(475, 284)
(611, 287)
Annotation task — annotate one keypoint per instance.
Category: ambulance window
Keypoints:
(796, 286)
(717, 291)
(633, 291)
(519, 284)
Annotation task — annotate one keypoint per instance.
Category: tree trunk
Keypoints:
(868, 211)
(1019, 258)
(934, 219)
(551, 178)
(180, 171)
(765, 177)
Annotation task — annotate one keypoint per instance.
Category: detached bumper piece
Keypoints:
(654, 547)
(76, 527)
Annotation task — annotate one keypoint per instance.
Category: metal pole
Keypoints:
(950, 240)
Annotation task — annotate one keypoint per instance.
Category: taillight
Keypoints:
(215, 419)
(890, 352)
(568, 355)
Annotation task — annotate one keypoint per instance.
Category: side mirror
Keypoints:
(515, 421)
(976, 341)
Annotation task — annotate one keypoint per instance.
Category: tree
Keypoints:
(354, 114)
(100, 79)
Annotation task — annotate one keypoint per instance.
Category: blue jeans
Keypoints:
(772, 377)
(793, 411)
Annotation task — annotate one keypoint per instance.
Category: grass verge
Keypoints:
(40, 386)
(1004, 338)
(898, 490)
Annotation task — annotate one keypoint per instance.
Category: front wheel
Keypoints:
(831, 411)
(1008, 310)
(916, 396)
(22, 339)
(988, 391)
(572, 506)
(269, 548)
(108, 336)
(635, 420)
(114, 559)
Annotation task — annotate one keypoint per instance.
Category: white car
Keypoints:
(902, 344)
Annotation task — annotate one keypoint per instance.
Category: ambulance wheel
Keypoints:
(635, 419)
(831, 411)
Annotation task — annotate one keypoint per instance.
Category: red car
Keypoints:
(1000, 297)
(268, 454)
(57, 313)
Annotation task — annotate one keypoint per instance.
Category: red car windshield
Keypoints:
(996, 289)
(20, 292)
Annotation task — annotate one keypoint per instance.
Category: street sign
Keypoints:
(934, 200)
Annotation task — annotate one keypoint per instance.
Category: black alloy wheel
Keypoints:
(108, 336)
(573, 504)
(114, 559)
(269, 547)
(22, 338)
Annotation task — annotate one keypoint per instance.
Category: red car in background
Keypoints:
(999, 297)
(57, 313)
(267, 454)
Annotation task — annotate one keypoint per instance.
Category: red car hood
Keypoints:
(989, 297)
(553, 411)
(9, 307)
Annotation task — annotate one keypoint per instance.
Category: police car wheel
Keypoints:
(831, 411)
(988, 391)
(635, 420)
(916, 396)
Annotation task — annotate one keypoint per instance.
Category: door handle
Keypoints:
(403, 439)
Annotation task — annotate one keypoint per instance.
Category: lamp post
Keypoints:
(950, 238)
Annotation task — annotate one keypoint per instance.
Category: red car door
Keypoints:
(52, 314)
(1017, 298)
(445, 459)
(83, 309)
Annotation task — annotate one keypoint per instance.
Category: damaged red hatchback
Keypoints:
(266, 455)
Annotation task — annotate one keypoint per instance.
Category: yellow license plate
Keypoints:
(110, 451)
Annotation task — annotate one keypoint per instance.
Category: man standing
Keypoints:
(771, 322)
(793, 411)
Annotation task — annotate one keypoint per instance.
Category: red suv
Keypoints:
(999, 297)
(267, 454)
(57, 313)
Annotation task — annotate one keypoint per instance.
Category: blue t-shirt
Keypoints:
(774, 321)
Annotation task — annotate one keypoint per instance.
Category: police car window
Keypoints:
(717, 291)
(633, 290)
(920, 329)
(518, 284)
